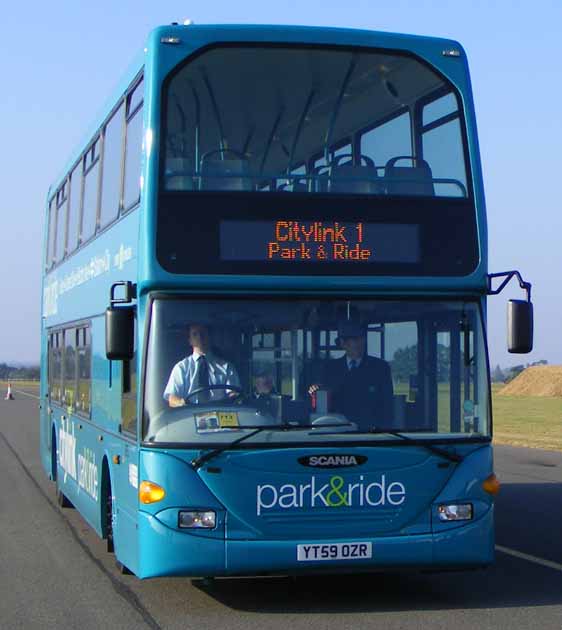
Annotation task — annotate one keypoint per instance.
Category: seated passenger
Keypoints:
(199, 370)
(360, 385)
(264, 394)
(263, 386)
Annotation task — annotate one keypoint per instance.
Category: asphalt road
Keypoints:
(55, 572)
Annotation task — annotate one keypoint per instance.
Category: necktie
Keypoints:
(352, 365)
(202, 379)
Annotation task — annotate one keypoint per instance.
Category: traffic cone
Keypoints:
(9, 395)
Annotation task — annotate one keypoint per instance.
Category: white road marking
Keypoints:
(19, 391)
(529, 558)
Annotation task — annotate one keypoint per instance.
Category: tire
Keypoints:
(108, 522)
(62, 500)
(123, 570)
(108, 506)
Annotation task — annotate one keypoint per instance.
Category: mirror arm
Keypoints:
(130, 293)
(507, 276)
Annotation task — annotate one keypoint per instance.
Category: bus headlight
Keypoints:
(455, 512)
(195, 519)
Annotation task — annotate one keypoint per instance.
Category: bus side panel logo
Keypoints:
(336, 460)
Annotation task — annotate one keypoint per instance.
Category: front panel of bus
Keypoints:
(297, 191)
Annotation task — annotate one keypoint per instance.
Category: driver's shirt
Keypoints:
(183, 379)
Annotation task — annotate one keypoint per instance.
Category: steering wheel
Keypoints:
(231, 399)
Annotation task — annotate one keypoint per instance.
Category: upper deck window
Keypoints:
(440, 132)
(361, 122)
(51, 235)
(133, 148)
(91, 189)
(74, 208)
(62, 200)
(111, 172)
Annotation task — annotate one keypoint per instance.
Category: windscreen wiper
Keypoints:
(452, 457)
(205, 457)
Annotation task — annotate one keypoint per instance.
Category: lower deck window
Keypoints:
(69, 368)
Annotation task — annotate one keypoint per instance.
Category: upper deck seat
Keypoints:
(179, 174)
(232, 173)
(347, 177)
(413, 179)
(350, 178)
(294, 185)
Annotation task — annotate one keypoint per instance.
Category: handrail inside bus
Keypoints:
(248, 140)
(222, 141)
(299, 129)
(197, 125)
(270, 138)
(337, 106)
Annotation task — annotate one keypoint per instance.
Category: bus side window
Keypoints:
(69, 369)
(90, 195)
(51, 236)
(133, 148)
(84, 353)
(74, 208)
(60, 240)
(111, 168)
(55, 367)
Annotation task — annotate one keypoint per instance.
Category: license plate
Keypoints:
(335, 551)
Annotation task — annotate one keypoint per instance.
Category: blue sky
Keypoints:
(60, 60)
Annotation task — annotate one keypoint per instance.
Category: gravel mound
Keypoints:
(540, 380)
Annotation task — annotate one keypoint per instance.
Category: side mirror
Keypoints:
(119, 333)
(519, 326)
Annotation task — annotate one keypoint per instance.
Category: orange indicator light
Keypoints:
(150, 492)
(491, 484)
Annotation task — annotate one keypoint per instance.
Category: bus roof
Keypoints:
(201, 35)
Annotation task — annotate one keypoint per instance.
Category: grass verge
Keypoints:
(18, 385)
(530, 421)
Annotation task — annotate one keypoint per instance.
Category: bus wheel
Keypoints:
(122, 568)
(109, 517)
(62, 500)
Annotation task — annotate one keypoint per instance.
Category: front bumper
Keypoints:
(164, 551)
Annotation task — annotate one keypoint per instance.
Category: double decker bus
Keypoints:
(302, 208)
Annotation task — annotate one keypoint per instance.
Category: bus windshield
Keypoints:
(329, 369)
(312, 120)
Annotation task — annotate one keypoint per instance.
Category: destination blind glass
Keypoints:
(319, 242)
(219, 233)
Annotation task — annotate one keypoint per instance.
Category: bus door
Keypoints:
(125, 475)
(446, 383)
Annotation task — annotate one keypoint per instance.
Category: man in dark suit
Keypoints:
(360, 385)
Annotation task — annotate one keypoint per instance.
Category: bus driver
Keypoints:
(360, 385)
(200, 369)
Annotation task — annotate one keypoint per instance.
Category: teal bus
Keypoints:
(264, 309)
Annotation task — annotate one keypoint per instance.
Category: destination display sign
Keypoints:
(288, 240)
